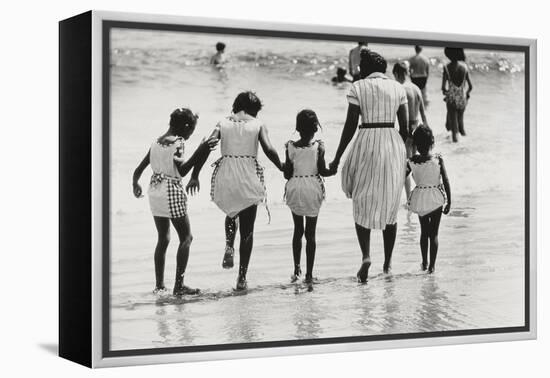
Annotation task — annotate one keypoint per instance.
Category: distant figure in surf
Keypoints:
(420, 70)
(341, 76)
(432, 194)
(305, 190)
(453, 86)
(219, 59)
(167, 199)
(354, 60)
(416, 108)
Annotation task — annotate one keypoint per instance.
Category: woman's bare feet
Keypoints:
(363, 272)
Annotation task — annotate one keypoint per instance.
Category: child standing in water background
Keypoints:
(167, 198)
(416, 107)
(305, 191)
(238, 185)
(428, 197)
(218, 59)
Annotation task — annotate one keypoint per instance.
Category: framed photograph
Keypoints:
(258, 189)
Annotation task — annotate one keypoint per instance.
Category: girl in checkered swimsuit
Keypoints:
(305, 189)
(238, 181)
(167, 198)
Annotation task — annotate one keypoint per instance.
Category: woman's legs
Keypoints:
(311, 245)
(363, 237)
(297, 244)
(389, 234)
(424, 239)
(460, 121)
(163, 239)
(231, 227)
(452, 119)
(183, 228)
(247, 218)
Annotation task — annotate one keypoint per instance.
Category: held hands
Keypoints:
(288, 170)
(138, 192)
(333, 167)
(208, 145)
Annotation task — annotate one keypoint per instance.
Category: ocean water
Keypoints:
(479, 281)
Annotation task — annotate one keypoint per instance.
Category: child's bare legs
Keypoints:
(424, 239)
(247, 218)
(183, 228)
(297, 245)
(363, 237)
(389, 234)
(460, 121)
(435, 219)
(452, 119)
(163, 230)
(429, 226)
(311, 245)
(231, 227)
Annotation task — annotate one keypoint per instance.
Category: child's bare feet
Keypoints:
(363, 272)
(227, 262)
(241, 283)
(296, 275)
(160, 290)
(184, 290)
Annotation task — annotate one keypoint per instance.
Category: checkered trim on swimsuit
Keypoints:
(177, 200)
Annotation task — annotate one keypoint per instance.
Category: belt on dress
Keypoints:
(376, 125)
(317, 175)
(429, 186)
(239, 156)
(157, 178)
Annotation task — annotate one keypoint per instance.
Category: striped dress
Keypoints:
(373, 174)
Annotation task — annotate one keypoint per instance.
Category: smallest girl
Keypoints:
(428, 197)
(305, 190)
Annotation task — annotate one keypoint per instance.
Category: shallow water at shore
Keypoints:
(479, 278)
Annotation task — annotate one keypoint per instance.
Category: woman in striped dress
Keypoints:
(373, 174)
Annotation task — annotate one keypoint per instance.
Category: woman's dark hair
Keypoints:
(423, 138)
(220, 46)
(181, 119)
(400, 69)
(248, 102)
(307, 122)
(455, 53)
(371, 62)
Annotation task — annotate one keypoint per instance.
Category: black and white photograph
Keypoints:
(293, 190)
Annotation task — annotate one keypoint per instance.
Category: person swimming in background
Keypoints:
(305, 190)
(219, 59)
(453, 85)
(167, 199)
(420, 70)
(354, 60)
(341, 76)
(238, 185)
(416, 107)
(432, 194)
